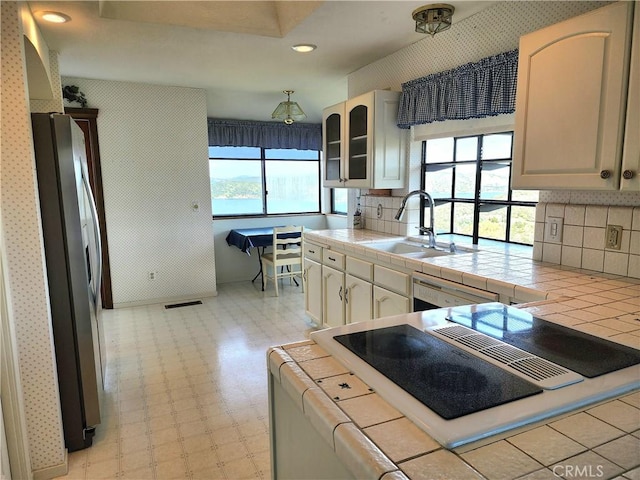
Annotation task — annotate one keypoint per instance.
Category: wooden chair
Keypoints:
(287, 254)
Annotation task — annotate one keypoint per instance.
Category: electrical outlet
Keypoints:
(613, 237)
(553, 229)
(152, 275)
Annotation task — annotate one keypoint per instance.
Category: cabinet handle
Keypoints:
(340, 293)
(332, 259)
(346, 295)
(605, 174)
(628, 174)
(312, 251)
(304, 275)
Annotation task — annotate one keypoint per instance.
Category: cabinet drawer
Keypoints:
(391, 279)
(333, 259)
(360, 268)
(313, 251)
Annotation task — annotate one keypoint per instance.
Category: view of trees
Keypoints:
(237, 187)
(449, 180)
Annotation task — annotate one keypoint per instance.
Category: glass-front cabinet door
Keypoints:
(358, 145)
(362, 143)
(332, 134)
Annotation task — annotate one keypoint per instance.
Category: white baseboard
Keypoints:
(53, 471)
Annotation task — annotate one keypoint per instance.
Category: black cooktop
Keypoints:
(445, 378)
(585, 354)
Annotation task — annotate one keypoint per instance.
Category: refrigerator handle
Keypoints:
(96, 232)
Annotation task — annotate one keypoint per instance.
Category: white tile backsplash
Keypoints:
(634, 266)
(596, 216)
(620, 216)
(572, 235)
(554, 210)
(574, 214)
(636, 219)
(593, 259)
(593, 237)
(634, 243)
(616, 263)
(583, 239)
(583, 236)
(551, 253)
(571, 256)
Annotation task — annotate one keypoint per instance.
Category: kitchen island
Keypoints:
(328, 423)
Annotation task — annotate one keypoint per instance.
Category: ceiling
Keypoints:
(238, 51)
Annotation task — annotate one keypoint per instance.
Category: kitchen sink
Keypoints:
(411, 248)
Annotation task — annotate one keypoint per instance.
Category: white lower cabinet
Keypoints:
(387, 303)
(358, 296)
(332, 297)
(341, 289)
(312, 278)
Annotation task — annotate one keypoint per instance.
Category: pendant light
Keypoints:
(288, 111)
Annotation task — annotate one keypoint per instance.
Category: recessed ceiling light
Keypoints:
(304, 47)
(55, 17)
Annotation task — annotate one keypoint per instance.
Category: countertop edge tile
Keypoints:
(323, 413)
(276, 357)
(295, 382)
(361, 456)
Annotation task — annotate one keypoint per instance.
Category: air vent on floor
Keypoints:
(542, 372)
(184, 304)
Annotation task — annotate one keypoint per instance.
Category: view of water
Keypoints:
(247, 206)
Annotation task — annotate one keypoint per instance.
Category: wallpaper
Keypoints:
(23, 253)
(153, 149)
(488, 32)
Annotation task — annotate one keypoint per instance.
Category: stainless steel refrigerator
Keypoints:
(73, 260)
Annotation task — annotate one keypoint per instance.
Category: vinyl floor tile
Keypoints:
(186, 389)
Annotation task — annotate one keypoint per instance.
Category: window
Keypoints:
(469, 179)
(264, 181)
(339, 200)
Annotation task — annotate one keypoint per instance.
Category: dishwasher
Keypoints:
(431, 292)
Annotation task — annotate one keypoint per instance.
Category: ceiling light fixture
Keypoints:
(55, 17)
(433, 18)
(304, 47)
(288, 111)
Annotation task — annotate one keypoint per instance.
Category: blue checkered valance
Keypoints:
(475, 90)
(248, 133)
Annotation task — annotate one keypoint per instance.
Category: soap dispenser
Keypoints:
(358, 218)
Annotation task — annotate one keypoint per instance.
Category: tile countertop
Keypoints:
(601, 304)
(377, 441)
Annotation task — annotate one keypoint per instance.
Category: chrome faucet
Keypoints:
(430, 230)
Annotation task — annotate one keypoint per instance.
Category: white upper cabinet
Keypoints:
(572, 100)
(333, 149)
(362, 143)
(631, 153)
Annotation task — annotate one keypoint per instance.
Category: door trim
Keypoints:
(86, 118)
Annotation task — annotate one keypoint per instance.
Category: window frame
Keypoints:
(333, 210)
(263, 159)
(476, 201)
